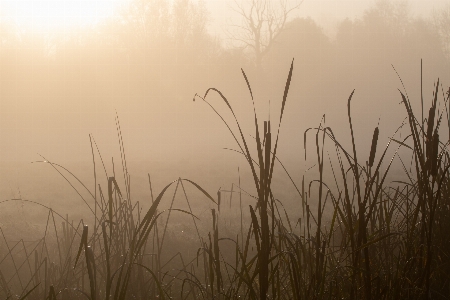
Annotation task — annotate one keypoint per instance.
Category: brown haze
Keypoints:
(57, 88)
(146, 63)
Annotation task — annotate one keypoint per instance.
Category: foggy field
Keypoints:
(254, 149)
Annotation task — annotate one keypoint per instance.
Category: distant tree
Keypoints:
(345, 33)
(387, 33)
(389, 14)
(165, 41)
(262, 21)
(390, 27)
(441, 20)
(162, 24)
(143, 24)
(190, 21)
(303, 39)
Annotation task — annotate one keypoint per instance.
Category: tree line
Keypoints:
(162, 50)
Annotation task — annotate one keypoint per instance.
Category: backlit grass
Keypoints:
(383, 241)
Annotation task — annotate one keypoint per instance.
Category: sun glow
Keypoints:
(60, 15)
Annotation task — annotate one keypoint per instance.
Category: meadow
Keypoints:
(353, 235)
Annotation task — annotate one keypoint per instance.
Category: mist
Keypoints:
(126, 95)
(146, 63)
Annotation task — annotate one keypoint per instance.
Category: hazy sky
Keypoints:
(51, 14)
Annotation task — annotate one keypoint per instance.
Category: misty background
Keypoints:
(145, 63)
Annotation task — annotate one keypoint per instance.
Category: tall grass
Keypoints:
(383, 241)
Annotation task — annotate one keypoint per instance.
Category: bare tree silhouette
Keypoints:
(261, 23)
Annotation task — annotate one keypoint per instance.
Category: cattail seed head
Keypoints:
(430, 123)
(434, 154)
(373, 149)
(218, 200)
